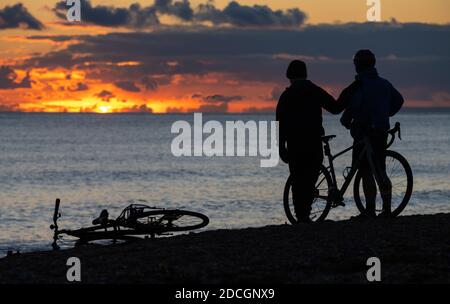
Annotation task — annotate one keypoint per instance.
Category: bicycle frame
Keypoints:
(365, 154)
(336, 195)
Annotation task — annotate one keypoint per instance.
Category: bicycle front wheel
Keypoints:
(321, 205)
(400, 174)
(172, 220)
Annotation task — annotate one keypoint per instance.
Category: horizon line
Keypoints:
(192, 112)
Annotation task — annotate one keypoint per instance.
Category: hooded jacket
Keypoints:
(370, 102)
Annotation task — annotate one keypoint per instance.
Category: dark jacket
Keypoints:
(299, 113)
(370, 101)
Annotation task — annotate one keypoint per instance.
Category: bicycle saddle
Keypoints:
(326, 139)
(102, 219)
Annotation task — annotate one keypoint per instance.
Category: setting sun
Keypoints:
(104, 109)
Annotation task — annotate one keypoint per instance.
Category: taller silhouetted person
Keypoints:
(370, 101)
(299, 113)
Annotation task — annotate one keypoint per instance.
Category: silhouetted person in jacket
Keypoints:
(370, 101)
(299, 113)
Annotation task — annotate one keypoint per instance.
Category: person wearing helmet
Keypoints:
(299, 113)
(370, 101)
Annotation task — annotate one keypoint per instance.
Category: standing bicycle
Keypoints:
(328, 195)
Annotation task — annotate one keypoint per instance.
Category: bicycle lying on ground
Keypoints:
(136, 219)
(329, 196)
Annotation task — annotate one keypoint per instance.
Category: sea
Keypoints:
(108, 161)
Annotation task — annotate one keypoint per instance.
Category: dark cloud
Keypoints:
(211, 108)
(52, 38)
(264, 110)
(17, 16)
(8, 108)
(174, 110)
(105, 95)
(54, 59)
(414, 57)
(138, 109)
(276, 92)
(129, 86)
(149, 83)
(8, 79)
(136, 16)
(217, 98)
(79, 87)
(181, 9)
(244, 15)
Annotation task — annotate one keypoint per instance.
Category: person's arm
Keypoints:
(345, 101)
(280, 117)
(347, 94)
(396, 101)
(328, 102)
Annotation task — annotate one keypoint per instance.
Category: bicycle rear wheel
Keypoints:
(172, 220)
(400, 174)
(320, 206)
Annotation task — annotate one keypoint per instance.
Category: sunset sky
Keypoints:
(182, 56)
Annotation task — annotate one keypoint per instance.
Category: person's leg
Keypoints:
(369, 188)
(368, 181)
(296, 172)
(303, 208)
(310, 186)
(306, 170)
(379, 142)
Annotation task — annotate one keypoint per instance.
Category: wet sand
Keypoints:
(413, 249)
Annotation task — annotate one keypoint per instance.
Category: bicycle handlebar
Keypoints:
(393, 131)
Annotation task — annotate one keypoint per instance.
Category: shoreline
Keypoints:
(412, 249)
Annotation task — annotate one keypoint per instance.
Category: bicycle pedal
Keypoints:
(339, 204)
